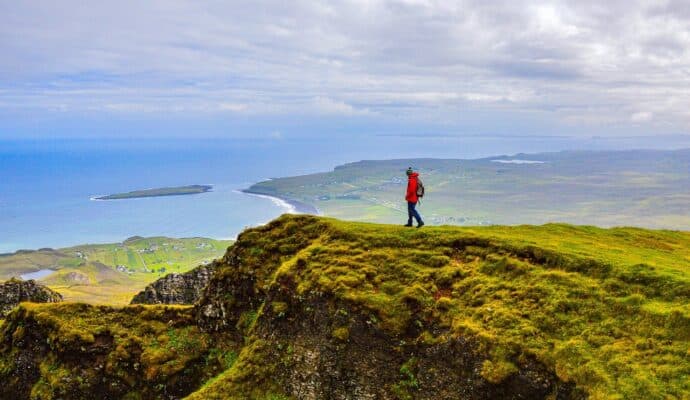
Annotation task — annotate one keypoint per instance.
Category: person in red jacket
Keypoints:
(412, 199)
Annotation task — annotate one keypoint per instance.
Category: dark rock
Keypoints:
(16, 291)
(177, 288)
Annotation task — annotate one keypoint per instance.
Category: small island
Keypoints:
(166, 191)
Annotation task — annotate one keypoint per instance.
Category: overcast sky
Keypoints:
(261, 68)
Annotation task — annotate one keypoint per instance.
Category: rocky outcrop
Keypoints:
(177, 288)
(16, 291)
(312, 344)
(79, 351)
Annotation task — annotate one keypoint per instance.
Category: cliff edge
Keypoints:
(315, 308)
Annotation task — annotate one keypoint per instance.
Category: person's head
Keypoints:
(409, 171)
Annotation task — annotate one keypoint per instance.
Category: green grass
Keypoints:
(146, 259)
(607, 309)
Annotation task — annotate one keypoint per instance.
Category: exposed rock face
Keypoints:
(364, 362)
(16, 291)
(177, 288)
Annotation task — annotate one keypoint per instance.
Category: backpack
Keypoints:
(420, 188)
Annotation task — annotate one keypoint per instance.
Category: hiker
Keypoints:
(414, 191)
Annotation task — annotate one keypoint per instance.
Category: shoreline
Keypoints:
(291, 206)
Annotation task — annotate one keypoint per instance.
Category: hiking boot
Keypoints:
(408, 225)
(420, 224)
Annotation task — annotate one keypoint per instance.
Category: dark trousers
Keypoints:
(412, 212)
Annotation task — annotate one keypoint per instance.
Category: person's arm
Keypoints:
(411, 188)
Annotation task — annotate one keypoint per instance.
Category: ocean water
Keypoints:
(46, 186)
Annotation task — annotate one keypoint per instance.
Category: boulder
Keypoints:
(177, 288)
(16, 291)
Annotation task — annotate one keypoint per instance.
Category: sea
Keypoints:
(47, 186)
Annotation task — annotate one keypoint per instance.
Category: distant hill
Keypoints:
(312, 308)
(604, 188)
(110, 273)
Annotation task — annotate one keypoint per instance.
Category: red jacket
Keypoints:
(411, 194)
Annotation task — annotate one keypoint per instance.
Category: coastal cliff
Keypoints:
(314, 308)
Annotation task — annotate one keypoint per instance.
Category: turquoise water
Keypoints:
(46, 186)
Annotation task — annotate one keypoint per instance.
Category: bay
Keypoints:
(46, 186)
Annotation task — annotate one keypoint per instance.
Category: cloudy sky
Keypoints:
(262, 68)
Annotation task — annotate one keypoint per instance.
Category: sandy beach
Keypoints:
(290, 206)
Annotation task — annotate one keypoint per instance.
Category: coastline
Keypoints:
(291, 206)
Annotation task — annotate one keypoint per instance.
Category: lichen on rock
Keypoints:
(15, 291)
(177, 288)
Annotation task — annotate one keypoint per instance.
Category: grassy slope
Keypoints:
(607, 309)
(138, 350)
(640, 188)
(92, 278)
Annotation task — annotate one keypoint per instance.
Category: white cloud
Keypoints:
(330, 106)
(232, 107)
(586, 62)
(642, 116)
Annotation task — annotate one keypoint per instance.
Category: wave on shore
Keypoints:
(289, 208)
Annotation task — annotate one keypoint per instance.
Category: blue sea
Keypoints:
(46, 186)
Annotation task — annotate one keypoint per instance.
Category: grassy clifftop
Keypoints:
(605, 309)
(313, 308)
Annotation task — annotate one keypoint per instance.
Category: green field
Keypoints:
(166, 191)
(627, 188)
(112, 273)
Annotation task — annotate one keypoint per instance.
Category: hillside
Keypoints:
(79, 351)
(110, 273)
(316, 308)
(607, 188)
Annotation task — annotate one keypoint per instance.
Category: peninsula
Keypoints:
(166, 191)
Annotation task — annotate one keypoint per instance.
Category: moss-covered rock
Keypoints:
(16, 291)
(78, 351)
(339, 310)
(315, 308)
(177, 288)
